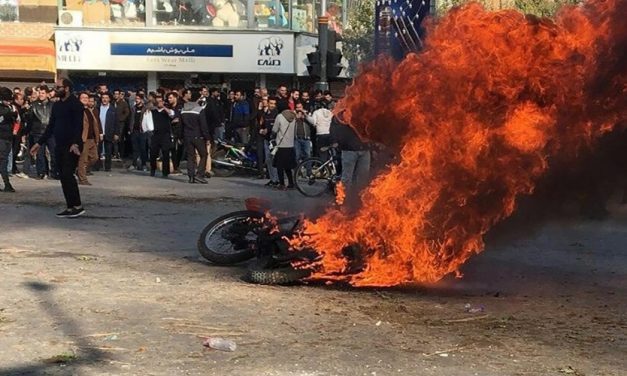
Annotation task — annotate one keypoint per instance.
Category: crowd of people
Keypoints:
(156, 131)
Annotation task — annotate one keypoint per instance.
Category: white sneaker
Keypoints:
(22, 175)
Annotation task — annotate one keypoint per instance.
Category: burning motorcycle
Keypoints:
(243, 235)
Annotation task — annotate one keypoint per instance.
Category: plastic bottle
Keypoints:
(220, 344)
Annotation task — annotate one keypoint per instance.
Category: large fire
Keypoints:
(478, 116)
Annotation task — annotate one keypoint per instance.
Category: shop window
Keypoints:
(304, 16)
(118, 13)
(214, 13)
(43, 11)
(9, 10)
(271, 14)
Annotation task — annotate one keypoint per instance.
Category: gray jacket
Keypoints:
(284, 127)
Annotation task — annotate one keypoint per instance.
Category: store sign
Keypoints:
(175, 51)
(270, 50)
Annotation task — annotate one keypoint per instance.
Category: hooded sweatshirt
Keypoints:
(284, 127)
(321, 119)
(195, 121)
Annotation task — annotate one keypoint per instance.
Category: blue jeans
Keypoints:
(272, 171)
(355, 170)
(303, 149)
(140, 149)
(218, 133)
(41, 163)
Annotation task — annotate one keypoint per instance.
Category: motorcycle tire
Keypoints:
(258, 273)
(234, 256)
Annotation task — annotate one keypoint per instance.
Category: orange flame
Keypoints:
(478, 117)
(340, 193)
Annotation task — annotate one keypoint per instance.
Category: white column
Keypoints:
(153, 82)
(262, 80)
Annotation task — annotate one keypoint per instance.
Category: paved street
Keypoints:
(122, 291)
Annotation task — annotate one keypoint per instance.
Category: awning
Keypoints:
(27, 58)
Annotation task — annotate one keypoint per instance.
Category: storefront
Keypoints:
(154, 56)
(234, 43)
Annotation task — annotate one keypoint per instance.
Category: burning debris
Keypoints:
(478, 117)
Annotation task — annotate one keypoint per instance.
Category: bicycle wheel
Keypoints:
(313, 177)
(227, 239)
(218, 168)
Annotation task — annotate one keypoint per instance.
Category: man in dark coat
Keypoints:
(8, 117)
(66, 125)
(110, 125)
(162, 137)
(197, 136)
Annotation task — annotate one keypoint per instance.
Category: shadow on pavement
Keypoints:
(86, 354)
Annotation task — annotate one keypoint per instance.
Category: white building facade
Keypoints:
(172, 43)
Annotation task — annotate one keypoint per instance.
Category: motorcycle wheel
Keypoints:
(311, 178)
(213, 245)
(258, 273)
(218, 169)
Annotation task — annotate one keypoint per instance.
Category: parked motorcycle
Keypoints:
(227, 159)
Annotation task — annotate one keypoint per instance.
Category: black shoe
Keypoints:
(41, 177)
(291, 186)
(200, 180)
(71, 213)
(271, 184)
(152, 173)
(191, 180)
(89, 173)
(8, 188)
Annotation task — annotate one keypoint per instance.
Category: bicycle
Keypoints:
(314, 176)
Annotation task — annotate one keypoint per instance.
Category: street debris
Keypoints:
(221, 344)
(86, 258)
(466, 319)
(470, 309)
(445, 353)
(569, 371)
(63, 358)
(378, 323)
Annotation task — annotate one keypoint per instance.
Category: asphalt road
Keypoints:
(122, 291)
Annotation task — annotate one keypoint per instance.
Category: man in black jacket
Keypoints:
(66, 125)
(38, 118)
(214, 112)
(8, 116)
(122, 114)
(197, 136)
(162, 137)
